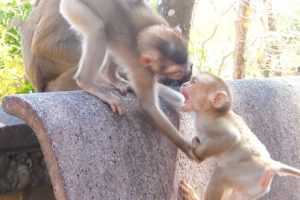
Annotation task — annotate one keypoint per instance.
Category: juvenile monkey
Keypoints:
(140, 39)
(244, 166)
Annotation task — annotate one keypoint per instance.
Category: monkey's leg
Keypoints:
(64, 82)
(246, 178)
(186, 191)
(55, 40)
(94, 46)
(216, 186)
(108, 72)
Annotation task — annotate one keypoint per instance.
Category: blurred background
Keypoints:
(234, 39)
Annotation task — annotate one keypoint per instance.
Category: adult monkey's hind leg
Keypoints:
(108, 72)
(94, 45)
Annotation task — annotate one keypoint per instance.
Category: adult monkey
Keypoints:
(139, 38)
(51, 51)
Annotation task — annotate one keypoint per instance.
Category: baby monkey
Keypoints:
(244, 166)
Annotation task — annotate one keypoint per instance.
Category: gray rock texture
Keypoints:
(92, 153)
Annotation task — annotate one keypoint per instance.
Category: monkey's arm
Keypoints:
(172, 97)
(218, 144)
(144, 86)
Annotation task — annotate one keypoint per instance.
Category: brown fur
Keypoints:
(138, 38)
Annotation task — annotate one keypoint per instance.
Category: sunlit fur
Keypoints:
(138, 38)
(245, 168)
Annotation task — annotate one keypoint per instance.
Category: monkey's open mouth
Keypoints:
(186, 97)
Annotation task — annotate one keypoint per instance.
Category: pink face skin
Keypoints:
(172, 70)
(164, 68)
(195, 93)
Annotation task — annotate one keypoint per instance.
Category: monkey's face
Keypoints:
(162, 66)
(171, 70)
(195, 93)
(164, 50)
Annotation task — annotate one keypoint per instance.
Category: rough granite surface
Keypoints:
(92, 153)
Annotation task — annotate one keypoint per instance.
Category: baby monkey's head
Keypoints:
(206, 93)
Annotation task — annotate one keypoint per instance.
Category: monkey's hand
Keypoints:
(195, 144)
(191, 154)
(186, 192)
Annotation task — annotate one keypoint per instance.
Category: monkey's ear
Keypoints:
(148, 58)
(178, 30)
(219, 99)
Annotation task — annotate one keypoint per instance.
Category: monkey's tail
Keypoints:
(285, 170)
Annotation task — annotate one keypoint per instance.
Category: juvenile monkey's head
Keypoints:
(206, 93)
(164, 51)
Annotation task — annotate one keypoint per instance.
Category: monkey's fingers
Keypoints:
(113, 101)
(122, 85)
(191, 154)
(186, 191)
(117, 107)
(185, 185)
(125, 88)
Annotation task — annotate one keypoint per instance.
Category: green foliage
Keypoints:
(12, 78)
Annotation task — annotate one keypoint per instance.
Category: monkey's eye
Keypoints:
(192, 81)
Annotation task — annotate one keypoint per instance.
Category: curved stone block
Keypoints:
(271, 108)
(92, 153)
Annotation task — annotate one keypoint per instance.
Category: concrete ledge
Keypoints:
(93, 154)
(14, 133)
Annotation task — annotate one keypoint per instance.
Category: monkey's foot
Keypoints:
(122, 85)
(115, 105)
(103, 91)
(186, 192)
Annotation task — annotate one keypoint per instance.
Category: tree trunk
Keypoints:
(177, 13)
(272, 50)
(241, 26)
